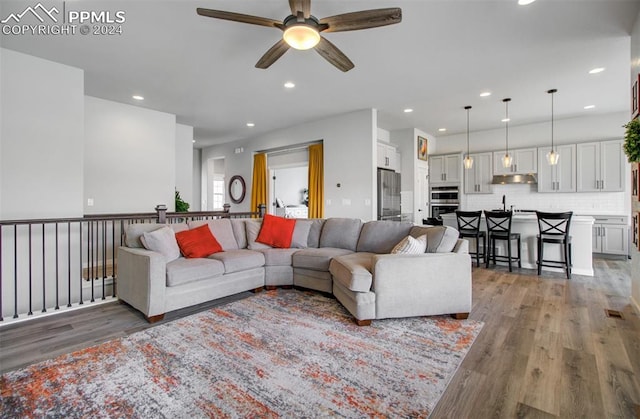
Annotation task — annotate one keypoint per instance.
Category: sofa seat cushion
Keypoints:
(182, 270)
(239, 260)
(278, 257)
(353, 271)
(317, 259)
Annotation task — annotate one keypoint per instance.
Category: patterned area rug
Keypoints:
(280, 353)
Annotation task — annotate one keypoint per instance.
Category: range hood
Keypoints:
(524, 178)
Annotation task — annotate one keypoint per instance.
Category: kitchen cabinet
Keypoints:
(445, 168)
(611, 235)
(387, 156)
(600, 166)
(477, 180)
(562, 176)
(524, 160)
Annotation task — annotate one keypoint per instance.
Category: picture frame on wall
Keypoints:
(423, 148)
(635, 97)
(634, 180)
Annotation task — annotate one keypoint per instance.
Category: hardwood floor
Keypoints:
(547, 350)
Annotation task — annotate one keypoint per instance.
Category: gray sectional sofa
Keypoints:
(342, 256)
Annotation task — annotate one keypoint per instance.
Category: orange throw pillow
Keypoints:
(276, 231)
(198, 242)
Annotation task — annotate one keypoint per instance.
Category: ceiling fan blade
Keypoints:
(303, 6)
(239, 17)
(332, 54)
(362, 20)
(273, 54)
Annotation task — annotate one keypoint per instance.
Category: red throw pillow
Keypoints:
(276, 231)
(198, 242)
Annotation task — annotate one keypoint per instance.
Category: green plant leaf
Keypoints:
(631, 144)
(181, 206)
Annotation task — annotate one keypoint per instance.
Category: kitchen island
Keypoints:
(527, 225)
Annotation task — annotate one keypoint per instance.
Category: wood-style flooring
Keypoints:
(547, 350)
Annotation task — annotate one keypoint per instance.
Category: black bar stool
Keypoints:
(469, 226)
(554, 228)
(499, 228)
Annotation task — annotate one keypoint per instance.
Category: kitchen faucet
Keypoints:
(504, 203)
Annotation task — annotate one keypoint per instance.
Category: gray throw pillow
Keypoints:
(253, 229)
(163, 241)
(440, 239)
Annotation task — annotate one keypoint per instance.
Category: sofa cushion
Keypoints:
(353, 271)
(411, 246)
(198, 242)
(341, 233)
(317, 259)
(221, 229)
(278, 257)
(253, 228)
(133, 232)
(239, 260)
(301, 233)
(182, 271)
(276, 231)
(239, 232)
(382, 236)
(162, 240)
(440, 239)
(314, 232)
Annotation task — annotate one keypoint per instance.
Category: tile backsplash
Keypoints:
(527, 197)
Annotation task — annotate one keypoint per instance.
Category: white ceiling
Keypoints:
(439, 59)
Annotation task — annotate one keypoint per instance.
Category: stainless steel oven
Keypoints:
(444, 199)
(439, 209)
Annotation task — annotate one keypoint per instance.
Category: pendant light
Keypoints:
(468, 160)
(506, 159)
(552, 156)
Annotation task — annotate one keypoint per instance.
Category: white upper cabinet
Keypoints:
(387, 156)
(445, 169)
(524, 160)
(477, 180)
(561, 177)
(600, 166)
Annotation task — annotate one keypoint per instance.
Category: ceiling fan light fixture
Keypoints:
(301, 37)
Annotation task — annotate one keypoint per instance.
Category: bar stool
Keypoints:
(499, 228)
(554, 228)
(469, 226)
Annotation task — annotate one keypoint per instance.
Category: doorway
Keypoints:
(289, 183)
(215, 189)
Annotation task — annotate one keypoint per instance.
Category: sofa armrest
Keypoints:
(142, 279)
(421, 285)
(462, 246)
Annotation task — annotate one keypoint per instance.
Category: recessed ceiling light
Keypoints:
(596, 70)
(289, 85)
(442, 129)
(525, 2)
(485, 94)
(193, 141)
(251, 124)
(138, 97)
(506, 119)
(590, 106)
(408, 110)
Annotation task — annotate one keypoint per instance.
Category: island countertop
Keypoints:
(527, 225)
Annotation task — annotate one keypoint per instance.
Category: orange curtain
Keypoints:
(316, 181)
(259, 183)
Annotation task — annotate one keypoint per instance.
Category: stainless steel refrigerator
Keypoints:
(388, 195)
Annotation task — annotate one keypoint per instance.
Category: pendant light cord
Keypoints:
(506, 104)
(467, 108)
(551, 92)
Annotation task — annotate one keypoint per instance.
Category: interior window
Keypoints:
(218, 193)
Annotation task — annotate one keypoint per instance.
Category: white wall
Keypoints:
(184, 163)
(41, 166)
(635, 255)
(196, 177)
(349, 160)
(129, 158)
(566, 131)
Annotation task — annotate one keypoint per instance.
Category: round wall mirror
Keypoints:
(237, 189)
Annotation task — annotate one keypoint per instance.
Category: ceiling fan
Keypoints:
(302, 30)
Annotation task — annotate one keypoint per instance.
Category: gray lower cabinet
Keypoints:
(611, 235)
